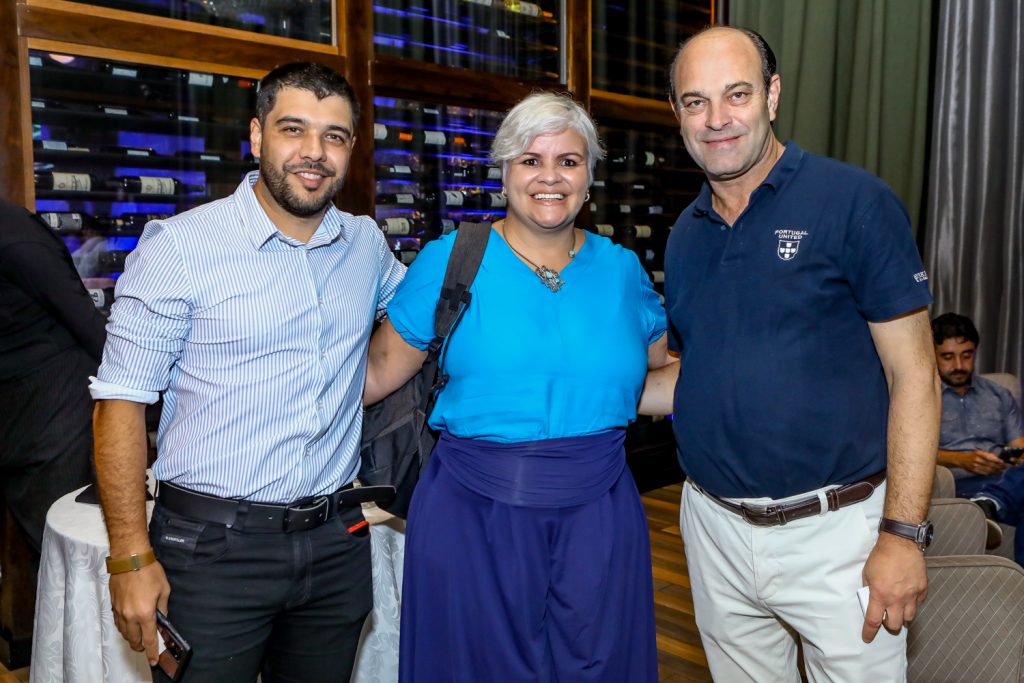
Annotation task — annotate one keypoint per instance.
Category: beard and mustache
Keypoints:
(306, 204)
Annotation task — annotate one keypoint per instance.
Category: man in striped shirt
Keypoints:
(251, 314)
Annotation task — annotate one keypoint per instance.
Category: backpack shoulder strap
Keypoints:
(467, 253)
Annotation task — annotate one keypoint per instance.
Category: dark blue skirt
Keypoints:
(528, 562)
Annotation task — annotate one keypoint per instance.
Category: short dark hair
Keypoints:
(953, 326)
(769, 66)
(318, 79)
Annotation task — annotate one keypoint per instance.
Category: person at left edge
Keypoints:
(252, 315)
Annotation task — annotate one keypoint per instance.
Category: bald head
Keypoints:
(759, 44)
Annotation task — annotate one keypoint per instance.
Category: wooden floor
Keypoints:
(19, 676)
(680, 656)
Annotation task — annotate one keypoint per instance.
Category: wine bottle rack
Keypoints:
(634, 42)
(639, 190)
(310, 20)
(116, 144)
(509, 37)
(432, 171)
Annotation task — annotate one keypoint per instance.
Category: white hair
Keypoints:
(544, 113)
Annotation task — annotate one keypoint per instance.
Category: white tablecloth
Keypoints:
(75, 640)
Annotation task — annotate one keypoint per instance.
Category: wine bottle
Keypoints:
(112, 261)
(405, 256)
(604, 229)
(130, 223)
(115, 110)
(636, 158)
(144, 184)
(197, 78)
(455, 198)
(398, 226)
(198, 156)
(494, 200)
(183, 117)
(65, 182)
(102, 298)
(394, 171)
(398, 198)
(519, 7)
(129, 151)
(67, 222)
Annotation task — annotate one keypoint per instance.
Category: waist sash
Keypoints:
(548, 473)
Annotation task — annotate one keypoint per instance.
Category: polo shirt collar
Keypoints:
(259, 229)
(783, 170)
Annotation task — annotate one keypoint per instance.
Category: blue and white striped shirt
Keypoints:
(258, 342)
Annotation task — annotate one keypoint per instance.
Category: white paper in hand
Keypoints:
(863, 593)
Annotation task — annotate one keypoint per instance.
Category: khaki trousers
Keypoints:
(757, 589)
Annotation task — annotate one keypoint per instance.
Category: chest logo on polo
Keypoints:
(789, 242)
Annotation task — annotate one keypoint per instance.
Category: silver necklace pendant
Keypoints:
(550, 277)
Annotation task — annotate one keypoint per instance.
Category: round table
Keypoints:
(74, 637)
(75, 641)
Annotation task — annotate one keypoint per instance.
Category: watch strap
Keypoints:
(918, 533)
(131, 563)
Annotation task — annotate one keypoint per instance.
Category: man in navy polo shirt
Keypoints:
(796, 298)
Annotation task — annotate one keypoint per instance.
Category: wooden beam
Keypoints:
(16, 115)
(448, 85)
(187, 41)
(607, 106)
(359, 193)
(578, 22)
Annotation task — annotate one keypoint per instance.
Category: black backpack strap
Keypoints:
(463, 263)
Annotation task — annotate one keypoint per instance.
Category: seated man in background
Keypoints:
(978, 416)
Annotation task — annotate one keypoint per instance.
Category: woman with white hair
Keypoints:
(527, 555)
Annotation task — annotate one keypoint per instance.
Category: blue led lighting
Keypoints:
(398, 41)
(421, 16)
(467, 129)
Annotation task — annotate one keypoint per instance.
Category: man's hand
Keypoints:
(135, 597)
(895, 572)
(981, 462)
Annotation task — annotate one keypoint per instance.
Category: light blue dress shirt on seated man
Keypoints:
(257, 341)
(986, 416)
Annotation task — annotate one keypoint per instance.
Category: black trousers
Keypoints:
(45, 438)
(287, 606)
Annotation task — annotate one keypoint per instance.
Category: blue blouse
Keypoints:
(526, 363)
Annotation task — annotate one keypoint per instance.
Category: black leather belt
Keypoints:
(300, 515)
(777, 515)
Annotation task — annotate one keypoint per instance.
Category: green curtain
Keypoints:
(854, 81)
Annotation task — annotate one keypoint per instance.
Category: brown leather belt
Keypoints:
(777, 515)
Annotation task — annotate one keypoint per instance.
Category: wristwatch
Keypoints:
(921, 534)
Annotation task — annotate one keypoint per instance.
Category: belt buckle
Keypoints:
(765, 517)
(308, 515)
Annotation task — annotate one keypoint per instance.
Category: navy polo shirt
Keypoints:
(781, 390)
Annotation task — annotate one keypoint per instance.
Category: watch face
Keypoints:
(927, 534)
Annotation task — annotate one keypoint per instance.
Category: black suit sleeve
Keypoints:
(44, 270)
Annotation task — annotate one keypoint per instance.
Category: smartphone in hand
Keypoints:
(174, 651)
(1010, 453)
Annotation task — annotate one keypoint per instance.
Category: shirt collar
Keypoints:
(259, 229)
(970, 387)
(783, 170)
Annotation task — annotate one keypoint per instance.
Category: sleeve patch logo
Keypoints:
(920, 277)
